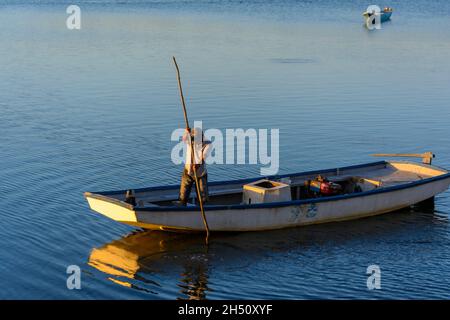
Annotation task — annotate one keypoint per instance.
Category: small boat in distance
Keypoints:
(385, 15)
(281, 201)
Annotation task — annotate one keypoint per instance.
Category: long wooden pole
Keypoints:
(197, 188)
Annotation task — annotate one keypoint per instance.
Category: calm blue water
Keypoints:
(94, 109)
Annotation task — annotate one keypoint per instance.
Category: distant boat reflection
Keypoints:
(156, 262)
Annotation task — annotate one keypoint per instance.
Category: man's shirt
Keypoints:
(201, 152)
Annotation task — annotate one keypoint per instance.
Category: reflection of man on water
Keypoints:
(201, 152)
(195, 280)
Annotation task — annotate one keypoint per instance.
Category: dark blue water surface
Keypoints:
(94, 110)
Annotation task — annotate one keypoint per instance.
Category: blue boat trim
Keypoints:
(103, 195)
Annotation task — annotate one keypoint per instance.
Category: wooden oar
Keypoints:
(427, 157)
(197, 188)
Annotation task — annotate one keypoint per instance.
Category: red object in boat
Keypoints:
(325, 187)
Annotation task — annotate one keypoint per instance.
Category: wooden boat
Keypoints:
(385, 15)
(364, 190)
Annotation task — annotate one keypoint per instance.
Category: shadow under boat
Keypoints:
(136, 260)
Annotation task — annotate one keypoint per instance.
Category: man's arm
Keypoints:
(186, 135)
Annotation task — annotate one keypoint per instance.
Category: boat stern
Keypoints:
(112, 208)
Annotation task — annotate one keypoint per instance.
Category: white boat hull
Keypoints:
(267, 217)
(292, 216)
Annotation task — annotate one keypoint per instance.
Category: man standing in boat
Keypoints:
(201, 151)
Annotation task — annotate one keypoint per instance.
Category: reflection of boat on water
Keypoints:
(128, 260)
(281, 201)
(178, 265)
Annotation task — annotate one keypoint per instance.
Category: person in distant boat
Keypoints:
(201, 152)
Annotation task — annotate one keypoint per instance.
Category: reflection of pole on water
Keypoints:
(195, 280)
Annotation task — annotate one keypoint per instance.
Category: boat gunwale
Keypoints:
(103, 195)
